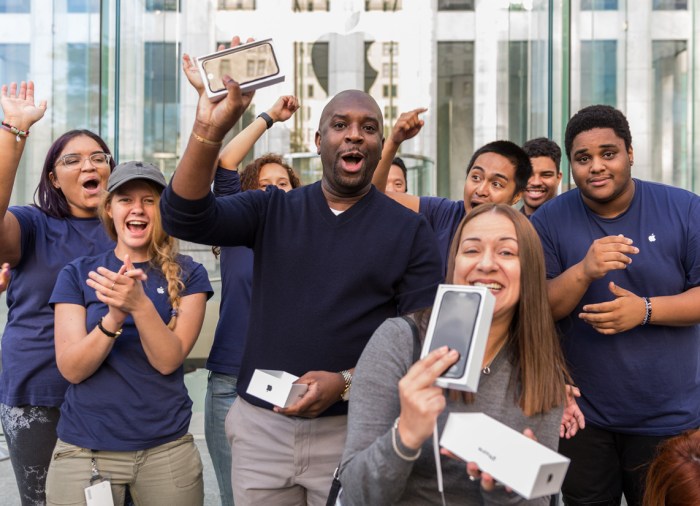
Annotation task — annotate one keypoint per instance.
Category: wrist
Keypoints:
(647, 311)
(405, 447)
(269, 121)
(19, 123)
(207, 131)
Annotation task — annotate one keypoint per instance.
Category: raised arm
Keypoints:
(213, 120)
(20, 113)
(406, 127)
(234, 152)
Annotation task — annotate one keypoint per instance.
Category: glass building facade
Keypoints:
(485, 69)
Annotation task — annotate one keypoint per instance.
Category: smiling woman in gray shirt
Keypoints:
(394, 405)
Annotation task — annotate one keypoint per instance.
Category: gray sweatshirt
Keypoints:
(371, 471)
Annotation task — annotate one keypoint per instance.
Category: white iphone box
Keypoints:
(276, 387)
(528, 467)
(253, 65)
(461, 319)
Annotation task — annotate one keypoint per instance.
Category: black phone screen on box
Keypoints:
(454, 327)
(246, 65)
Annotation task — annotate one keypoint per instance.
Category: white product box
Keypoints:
(528, 467)
(253, 65)
(276, 387)
(461, 319)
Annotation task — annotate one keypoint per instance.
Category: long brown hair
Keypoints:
(673, 478)
(162, 248)
(533, 343)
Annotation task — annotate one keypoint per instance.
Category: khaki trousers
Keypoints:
(167, 475)
(280, 460)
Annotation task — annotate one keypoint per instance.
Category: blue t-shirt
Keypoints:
(444, 216)
(29, 374)
(321, 283)
(126, 405)
(646, 380)
(236, 289)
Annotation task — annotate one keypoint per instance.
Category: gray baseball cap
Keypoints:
(128, 171)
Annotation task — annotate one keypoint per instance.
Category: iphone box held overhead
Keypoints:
(461, 320)
(276, 387)
(528, 467)
(252, 65)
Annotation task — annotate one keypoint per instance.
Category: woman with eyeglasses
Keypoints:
(37, 241)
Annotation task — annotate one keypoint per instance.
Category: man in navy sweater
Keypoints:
(333, 260)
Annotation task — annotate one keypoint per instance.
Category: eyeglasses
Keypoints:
(97, 160)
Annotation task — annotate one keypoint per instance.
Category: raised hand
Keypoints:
(422, 401)
(18, 105)
(624, 312)
(283, 108)
(122, 291)
(407, 126)
(214, 119)
(607, 254)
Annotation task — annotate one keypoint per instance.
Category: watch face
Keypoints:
(346, 394)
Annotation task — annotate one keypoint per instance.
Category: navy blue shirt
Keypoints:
(126, 405)
(29, 373)
(444, 216)
(236, 290)
(646, 380)
(321, 283)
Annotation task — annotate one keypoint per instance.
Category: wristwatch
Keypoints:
(347, 376)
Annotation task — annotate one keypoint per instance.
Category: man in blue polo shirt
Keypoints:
(497, 172)
(623, 262)
(332, 261)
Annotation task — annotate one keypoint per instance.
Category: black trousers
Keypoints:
(605, 465)
(30, 432)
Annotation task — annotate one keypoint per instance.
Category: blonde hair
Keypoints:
(162, 248)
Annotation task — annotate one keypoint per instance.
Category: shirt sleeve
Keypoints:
(226, 182)
(423, 274)
(198, 281)
(371, 471)
(552, 262)
(69, 287)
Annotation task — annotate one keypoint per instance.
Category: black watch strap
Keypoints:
(267, 119)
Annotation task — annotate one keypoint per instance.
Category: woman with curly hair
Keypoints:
(121, 339)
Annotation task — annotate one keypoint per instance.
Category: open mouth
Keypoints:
(352, 162)
(136, 226)
(91, 185)
(491, 286)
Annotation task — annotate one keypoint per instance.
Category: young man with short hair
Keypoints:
(623, 262)
(497, 172)
(545, 157)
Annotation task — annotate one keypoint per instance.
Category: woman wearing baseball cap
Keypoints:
(121, 339)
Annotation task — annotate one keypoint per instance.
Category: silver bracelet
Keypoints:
(647, 308)
(408, 458)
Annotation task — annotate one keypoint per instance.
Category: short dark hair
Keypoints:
(516, 156)
(47, 197)
(399, 163)
(597, 116)
(541, 146)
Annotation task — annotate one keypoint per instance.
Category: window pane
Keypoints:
(83, 93)
(161, 111)
(14, 62)
(670, 5)
(455, 5)
(15, 6)
(599, 72)
(310, 5)
(670, 150)
(83, 5)
(598, 5)
(455, 115)
(162, 5)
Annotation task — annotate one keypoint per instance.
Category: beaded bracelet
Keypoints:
(408, 458)
(647, 307)
(15, 131)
